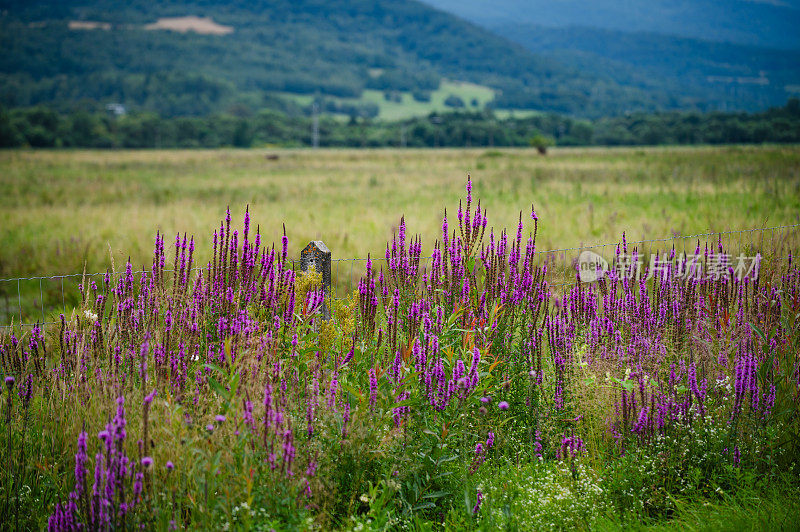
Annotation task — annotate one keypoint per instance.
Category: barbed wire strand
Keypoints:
(558, 252)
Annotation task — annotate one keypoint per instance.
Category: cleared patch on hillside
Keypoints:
(202, 25)
(88, 25)
(400, 105)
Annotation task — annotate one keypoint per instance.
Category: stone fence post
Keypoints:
(316, 253)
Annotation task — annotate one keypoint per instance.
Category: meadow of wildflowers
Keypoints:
(460, 391)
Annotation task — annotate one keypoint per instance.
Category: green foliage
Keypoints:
(42, 127)
(454, 101)
(542, 496)
(541, 143)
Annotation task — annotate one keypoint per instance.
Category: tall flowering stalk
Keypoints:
(117, 485)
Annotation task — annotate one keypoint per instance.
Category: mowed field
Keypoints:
(63, 211)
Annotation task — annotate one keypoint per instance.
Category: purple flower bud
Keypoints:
(503, 405)
(349, 355)
(10, 382)
(478, 501)
(170, 466)
(210, 427)
(149, 398)
(147, 462)
(486, 400)
(219, 418)
(373, 388)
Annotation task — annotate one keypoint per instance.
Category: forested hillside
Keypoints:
(333, 48)
(84, 54)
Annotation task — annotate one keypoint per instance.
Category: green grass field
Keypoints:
(66, 210)
(408, 107)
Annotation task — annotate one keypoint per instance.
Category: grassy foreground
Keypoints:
(459, 393)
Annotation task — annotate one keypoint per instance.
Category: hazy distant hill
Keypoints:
(672, 49)
(698, 73)
(768, 23)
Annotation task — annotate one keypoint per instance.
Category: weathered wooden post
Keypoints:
(316, 253)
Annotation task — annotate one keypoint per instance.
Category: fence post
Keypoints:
(318, 254)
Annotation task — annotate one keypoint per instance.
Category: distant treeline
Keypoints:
(41, 127)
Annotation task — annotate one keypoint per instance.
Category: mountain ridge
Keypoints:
(699, 70)
(766, 24)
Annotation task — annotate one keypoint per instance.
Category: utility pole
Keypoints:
(436, 120)
(315, 126)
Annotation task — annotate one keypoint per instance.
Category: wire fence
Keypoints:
(26, 301)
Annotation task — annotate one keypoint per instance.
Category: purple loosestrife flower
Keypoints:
(641, 424)
(350, 353)
(284, 244)
(373, 388)
(345, 419)
(334, 385)
(571, 446)
(397, 366)
(537, 445)
(149, 397)
(400, 412)
(80, 466)
(480, 456)
(143, 357)
(478, 501)
(26, 390)
(311, 470)
(137, 485)
(288, 451)
(769, 400)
